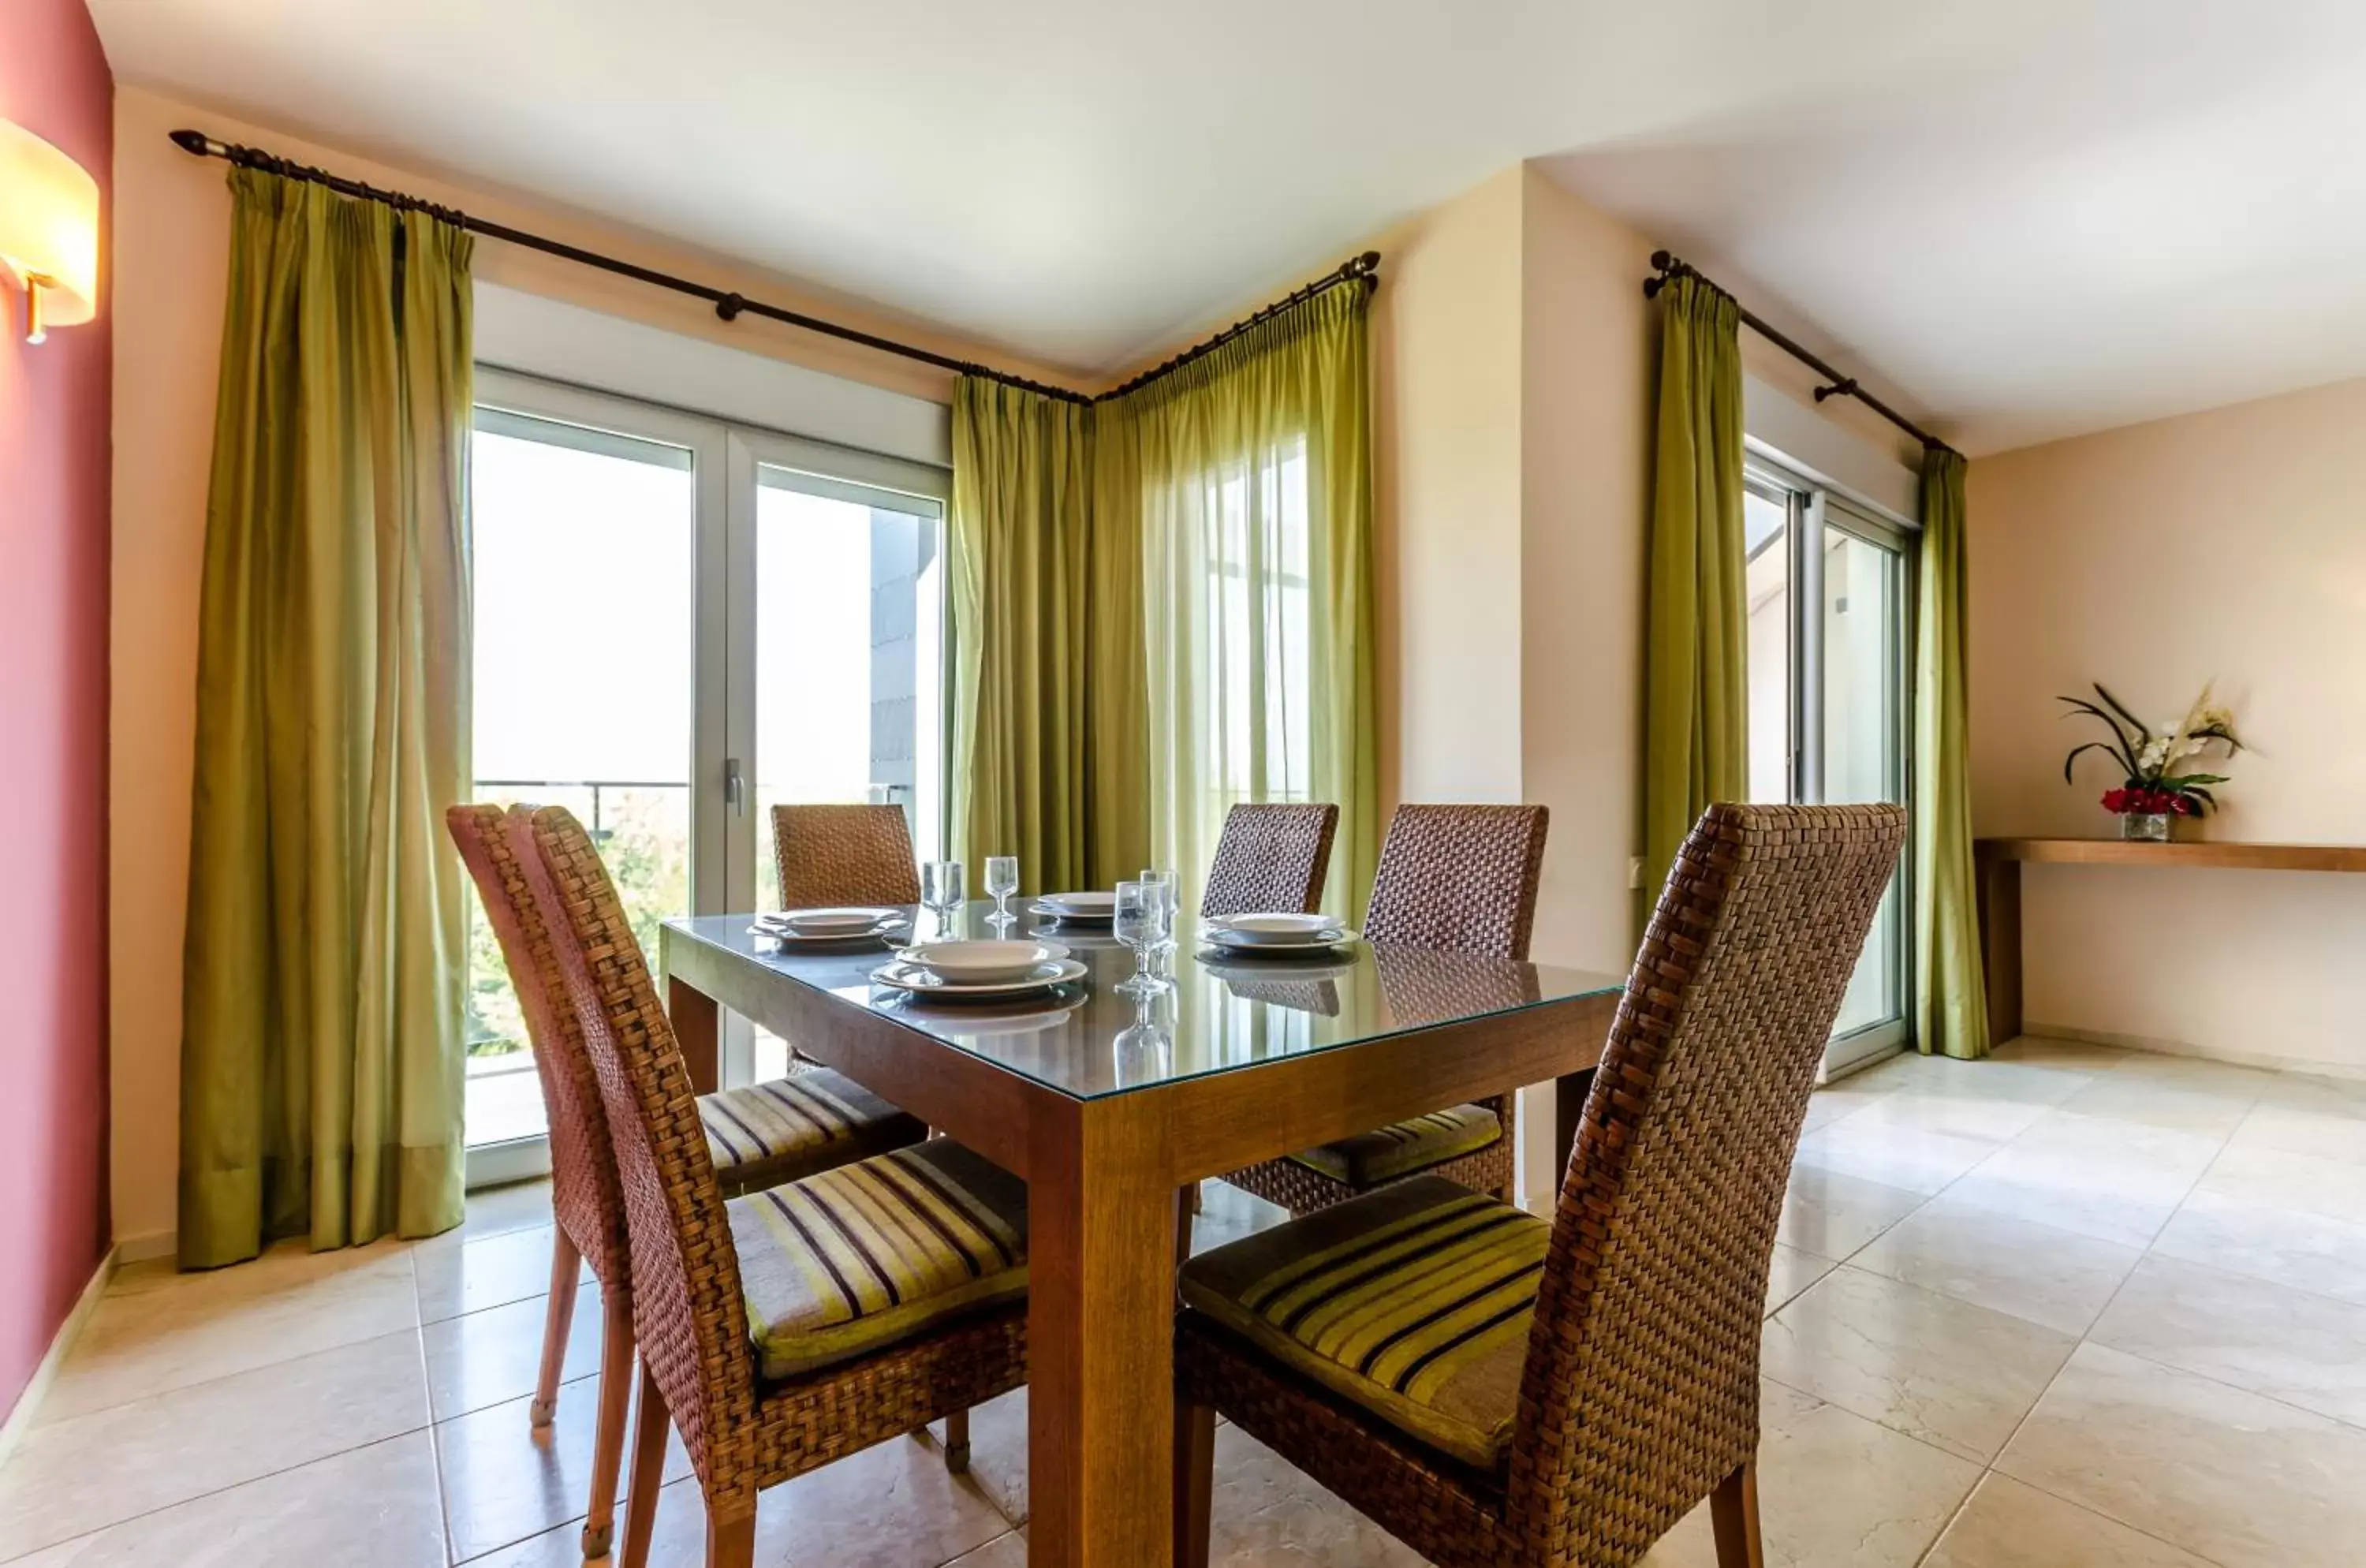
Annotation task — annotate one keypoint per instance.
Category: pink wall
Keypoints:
(54, 658)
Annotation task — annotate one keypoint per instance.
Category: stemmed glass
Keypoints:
(943, 886)
(1143, 1052)
(1141, 924)
(1001, 882)
(1168, 890)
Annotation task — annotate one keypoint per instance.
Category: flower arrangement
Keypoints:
(2146, 756)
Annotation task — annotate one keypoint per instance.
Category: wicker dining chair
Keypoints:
(782, 1329)
(756, 1136)
(844, 855)
(1270, 857)
(1498, 1390)
(1452, 879)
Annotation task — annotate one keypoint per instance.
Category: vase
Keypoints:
(2147, 826)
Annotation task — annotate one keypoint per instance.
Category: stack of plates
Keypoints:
(1276, 935)
(1077, 909)
(979, 970)
(805, 927)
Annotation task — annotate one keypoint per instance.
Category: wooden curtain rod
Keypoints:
(1835, 385)
(729, 305)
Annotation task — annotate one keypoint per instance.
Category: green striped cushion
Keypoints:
(1414, 1302)
(790, 1127)
(854, 1260)
(1367, 1159)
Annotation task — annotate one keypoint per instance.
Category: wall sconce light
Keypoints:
(49, 232)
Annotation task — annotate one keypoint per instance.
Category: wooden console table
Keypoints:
(1998, 862)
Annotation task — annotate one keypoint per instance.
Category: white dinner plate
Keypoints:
(1075, 914)
(983, 962)
(841, 921)
(901, 975)
(1287, 923)
(1248, 941)
(885, 931)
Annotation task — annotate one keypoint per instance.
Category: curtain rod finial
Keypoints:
(195, 143)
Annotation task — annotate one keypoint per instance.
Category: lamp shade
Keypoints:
(49, 224)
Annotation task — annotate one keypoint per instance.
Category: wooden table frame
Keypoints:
(1102, 1175)
(1997, 864)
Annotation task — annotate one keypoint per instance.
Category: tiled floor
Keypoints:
(2070, 1308)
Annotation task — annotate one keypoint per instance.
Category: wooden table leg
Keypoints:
(698, 1025)
(1100, 1323)
(1998, 883)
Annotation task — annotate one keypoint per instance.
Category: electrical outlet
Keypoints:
(1634, 873)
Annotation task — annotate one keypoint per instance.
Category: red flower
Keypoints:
(2115, 800)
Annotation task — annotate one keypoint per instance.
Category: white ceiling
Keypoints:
(2029, 217)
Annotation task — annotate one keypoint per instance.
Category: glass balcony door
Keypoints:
(1829, 636)
(837, 601)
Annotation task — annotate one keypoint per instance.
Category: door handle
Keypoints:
(735, 787)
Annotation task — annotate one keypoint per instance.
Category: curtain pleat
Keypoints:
(1695, 699)
(1951, 1013)
(1046, 614)
(1248, 475)
(321, 1056)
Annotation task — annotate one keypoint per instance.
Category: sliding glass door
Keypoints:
(677, 624)
(1829, 696)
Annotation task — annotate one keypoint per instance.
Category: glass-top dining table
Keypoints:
(1107, 1104)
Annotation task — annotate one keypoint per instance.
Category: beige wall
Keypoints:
(170, 266)
(2227, 544)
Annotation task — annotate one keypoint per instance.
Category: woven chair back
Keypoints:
(583, 1194)
(689, 1316)
(1270, 857)
(844, 855)
(1640, 1389)
(1459, 878)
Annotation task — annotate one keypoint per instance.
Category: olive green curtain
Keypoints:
(321, 1056)
(1248, 475)
(1951, 1011)
(1696, 701)
(1046, 630)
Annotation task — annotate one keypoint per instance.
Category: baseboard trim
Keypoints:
(146, 1248)
(2266, 1060)
(20, 1417)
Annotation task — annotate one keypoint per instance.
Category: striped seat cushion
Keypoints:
(1414, 1302)
(785, 1128)
(1367, 1159)
(854, 1260)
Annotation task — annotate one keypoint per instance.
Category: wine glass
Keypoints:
(1001, 882)
(1165, 881)
(1140, 923)
(943, 886)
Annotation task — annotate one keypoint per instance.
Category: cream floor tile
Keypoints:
(892, 1506)
(193, 1328)
(1955, 1375)
(2134, 1097)
(1991, 1079)
(2337, 1133)
(2097, 1176)
(997, 1451)
(1831, 1215)
(2199, 1073)
(1789, 1271)
(495, 1354)
(70, 1477)
(1835, 1491)
(2305, 1349)
(505, 1481)
(2009, 1525)
(2050, 1276)
(1269, 1514)
(1912, 1113)
(2268, 1241)
(2310, 1183)
(493, 1211)
(492, 1272)
(2243, 1481)
(1914, 1161)
(372, 1507)
(1002, 1551)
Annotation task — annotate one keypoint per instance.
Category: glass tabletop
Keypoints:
(1220, 1012)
